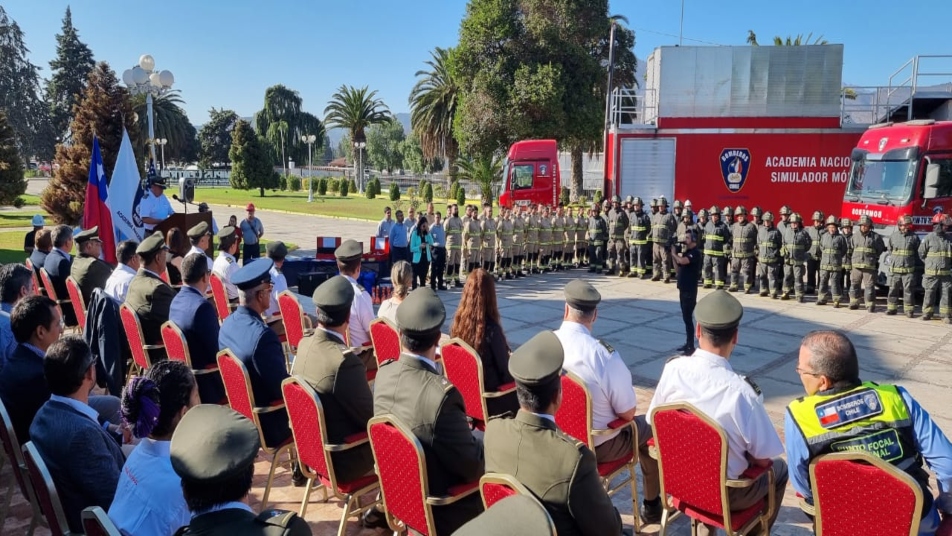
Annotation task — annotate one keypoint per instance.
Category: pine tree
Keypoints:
(20, 89)
(70, 71)
(103, 111)
(12, 183)
(251, 163)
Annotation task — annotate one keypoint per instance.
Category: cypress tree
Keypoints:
(70, 70)
(12, 183)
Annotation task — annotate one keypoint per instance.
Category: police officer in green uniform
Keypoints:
(149, 296)
(213, 450)
(903, 248)
(413, 390)
(566, 478)
(841, 413)
(89, 272)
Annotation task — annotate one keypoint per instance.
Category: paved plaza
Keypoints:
(642, 320)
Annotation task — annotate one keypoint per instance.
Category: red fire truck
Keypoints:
(532, 174)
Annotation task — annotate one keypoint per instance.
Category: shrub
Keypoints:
(321, 185)
(460, 198)
(283, 183)
(352, 186)
(344, 187)
(421, 185)
(333, 186)
(564, 196)
(370, 192)
(394, 191)
(583, 202)
(598, 197)
(439, 192)
(428, 193)
(294, 183)
(454, 188)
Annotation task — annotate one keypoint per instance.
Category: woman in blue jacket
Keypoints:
(421, 245)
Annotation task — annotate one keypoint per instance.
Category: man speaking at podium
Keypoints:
(154, 208)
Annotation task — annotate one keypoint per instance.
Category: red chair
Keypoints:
(494, 487)
(12, 452)
(296, 323)
(51, 291)
(464, 369)
(222, 306)
(242, 399)
(848, 488)
(176, 347)
(401, 467)
(97, 523)
(575, 419)
(46, 496)
(692, 463)
(76, 299)
(314, 452)
(140, 350)
(386, 340)
(37, 288)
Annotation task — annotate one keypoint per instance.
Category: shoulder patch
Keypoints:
(278, 518)
(606, 345)
(230, 260)
(753, 385)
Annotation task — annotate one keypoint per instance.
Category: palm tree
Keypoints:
(799, 40)
(484, 170)
(354, 110)
(433, 102)
(171, 122)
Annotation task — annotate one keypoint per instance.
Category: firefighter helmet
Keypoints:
(941, 219)
(727, 211)
(616, 198)
(687, 204)
(785, 210)
(865, 220)
(678, 204)
(702, 213)
(795, 218)
(629, 199)
(638, 202)
(654, 203)
(715, 210)
(905, 220)
(818, 216)
(740, 211)
(756, 212)
(832, 221)
(662, 202)
(768, 216)
(846, 223)
(687, 214)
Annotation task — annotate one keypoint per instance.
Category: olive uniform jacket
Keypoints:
(565, 479)
(340, 378)
(239, 522)
(151, 299)
(90, 273)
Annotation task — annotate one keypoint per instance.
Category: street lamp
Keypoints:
(162, 142)
(143, 79)
(309, 139)
(359, 145)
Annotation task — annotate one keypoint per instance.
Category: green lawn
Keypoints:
(11, 247)
(18, 219)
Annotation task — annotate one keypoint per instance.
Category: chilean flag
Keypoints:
(96, 212)
(829, 416)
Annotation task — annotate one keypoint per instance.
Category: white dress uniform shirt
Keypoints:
(361, 315)
(225, 266)
(149, 500)
(200, 251)
(708, 382)
(154, 207)
(118, 283)
(604, 373)
(280, 285)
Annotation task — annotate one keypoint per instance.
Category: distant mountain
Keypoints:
(336, 134)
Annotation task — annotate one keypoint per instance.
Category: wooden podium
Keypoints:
(185, 222)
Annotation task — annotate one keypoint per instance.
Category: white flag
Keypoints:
(125, 192)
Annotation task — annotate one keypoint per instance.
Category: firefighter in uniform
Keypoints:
(756, 216)
(505, 234)
(743, 252)
(532, 239)
(568, 239)
(782, 224)
(846, 227)
(716, 238)
(701, 225)
(832, 250)
(487, 230)
(936, 253)
(598, 240)
(558, 229)
(813, 261)
(654, 206)
(678, 209)
(841, 413)
(617, 227)
(472, 237)
(454, 244)
(671, 223)
(797, 245)
(545, 240)
(663, 228)
(769, 261)
(581, 237)
(903, 248)
(867, 247)
(639, 228)
(518, 240)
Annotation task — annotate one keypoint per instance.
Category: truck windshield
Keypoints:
(521, 176)
(882, 179)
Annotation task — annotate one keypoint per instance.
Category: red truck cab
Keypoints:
(531, 174)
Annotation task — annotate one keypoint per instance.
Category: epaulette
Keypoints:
(753, 385)
(607, 346)
(447, 385)
(506, 415)
(278, 518)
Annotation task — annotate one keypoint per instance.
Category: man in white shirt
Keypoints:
(707, 381)
(225, 264)
(118, 283)
(154, 208)
(609, 382)
(348, 256)
(383, 228)
(277, 252)
(200, 238)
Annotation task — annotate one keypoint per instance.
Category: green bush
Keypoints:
(344, 187)
(421, 185)
(370, 192)
(598, 197)
(283, 183)
(454, 188)
(583, 202)
(439, 192)
(460, 198)
(333, 186)
(564, 196)
(352, 186)
(294, 183)
(394, 191)
(321, 185)
(428, 193)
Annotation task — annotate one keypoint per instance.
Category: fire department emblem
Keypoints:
(882, 143)
(735, 164)
(543, 170)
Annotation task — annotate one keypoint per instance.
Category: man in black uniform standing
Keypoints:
(688, 262)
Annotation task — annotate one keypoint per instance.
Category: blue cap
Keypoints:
(252, 274)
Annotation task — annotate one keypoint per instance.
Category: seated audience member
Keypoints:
(88, 270)
(149, 499)
(884, 420)
(226, 264)
(707, 381)
(118, 283)
(414, 391)
(517, 515)
(29, 241)
(16, 283)
(213, 451)
(83, 458)
(178, 248)
(477, 323)
(565, 479)
(277, 252)
(326, 363)
(58, 264)
(200, 238)
(148, 295)
(401, 277)
(348, 256)
(196, 317)
(44, 244)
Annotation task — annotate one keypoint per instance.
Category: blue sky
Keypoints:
(224, 53)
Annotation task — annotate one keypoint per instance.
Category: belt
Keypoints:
(938, 272)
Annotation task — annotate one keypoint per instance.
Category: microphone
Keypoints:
(176, 197)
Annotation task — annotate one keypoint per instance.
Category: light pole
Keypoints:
(144, 79)
(309, 140)
(359, 146)
(162, 142)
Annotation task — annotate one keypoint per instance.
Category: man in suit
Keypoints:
(88, 270)
(565, 479)
(149, 296)
(58, 264)
(326, 363)
(83, 458)
(213, 450)
(249, 338)
(44, 244)
(196, 317)
(16, 283)
(415, 392)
